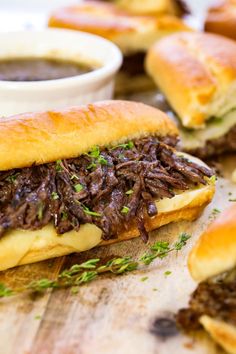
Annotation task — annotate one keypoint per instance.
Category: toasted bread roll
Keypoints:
(221, 18)
(197, 74)
(132, 33)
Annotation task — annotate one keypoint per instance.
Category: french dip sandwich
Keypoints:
(212, 262)
(133, 34)
(196, 72)
(90, 175)
(221, 18)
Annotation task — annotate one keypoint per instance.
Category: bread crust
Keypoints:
(44, 248)
(221, 18)
(111, 22)
(197, 73)
(215, 251)
(223, 333)
(44, 137)
(150, 7)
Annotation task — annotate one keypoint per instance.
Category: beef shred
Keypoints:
(111, 188)
(215, 299)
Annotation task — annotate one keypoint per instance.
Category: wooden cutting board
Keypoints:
(114, 314)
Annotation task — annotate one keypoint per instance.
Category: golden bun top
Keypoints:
(111, 22)
(221, 18)
(197, 73)
(151, 6)
(215, 251)
(48, 136)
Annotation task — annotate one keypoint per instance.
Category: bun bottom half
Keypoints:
(20, 247)
(223, 333)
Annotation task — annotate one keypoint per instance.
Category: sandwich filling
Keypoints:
(112, 188)
(215, 298)
(219, 135)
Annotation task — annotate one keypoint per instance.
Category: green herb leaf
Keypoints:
(144, 279)
(5, 291)
(40, 211)
(91, 165)
(64, 215)
(124, 210)
(78, 187)
(183, 238)
(54, 196)
(232, 200)
(13, 177)
(125, 146)
(42, 284)
(59, 166)
(74, 177)
(95, 152)
(101, 160)
(167, 272)
(130, 191)
(86, 277)
(90, 212)
(212, 179)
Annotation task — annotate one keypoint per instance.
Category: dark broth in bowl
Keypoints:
(40, 69)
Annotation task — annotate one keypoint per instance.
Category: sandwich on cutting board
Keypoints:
(133, 34)
(196, 73)
(89, 175)
(212, 262)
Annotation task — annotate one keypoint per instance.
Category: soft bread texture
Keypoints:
(197, 74)
(19, 247)
(215, 251)
(47, 136)
(131, 33)
(224, 334)
(150, 6)
(221, 18)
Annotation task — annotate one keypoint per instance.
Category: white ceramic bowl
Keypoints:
(18, 97)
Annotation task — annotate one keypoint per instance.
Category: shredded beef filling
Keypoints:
(217, 300)
(108, 187)
(133, 64)
(223, 144)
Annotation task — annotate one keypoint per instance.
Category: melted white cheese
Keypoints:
(27, 246)
(197, 138)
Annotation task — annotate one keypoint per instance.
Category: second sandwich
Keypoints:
(196, 72)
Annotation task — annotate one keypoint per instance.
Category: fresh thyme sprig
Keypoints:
(161, 249)
(83, 273)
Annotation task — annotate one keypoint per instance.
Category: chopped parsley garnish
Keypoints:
(90, 212)
(144, 279)
(232, 200)
(167, 272)
(40, 211)
(130, 191)
(97, 157)
(59, 166)
(124, 210)
(78, 187)
(125, 146)
(54, 196)
(74, 177)
(12, 178)
(64, 215)
(91, 165)
(212, 179)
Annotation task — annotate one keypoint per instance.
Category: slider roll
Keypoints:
(92, 174)
(197, 74)
(212, 261)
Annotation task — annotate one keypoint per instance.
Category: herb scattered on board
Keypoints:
(86, 272)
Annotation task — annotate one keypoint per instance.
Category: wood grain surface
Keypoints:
(114, 314)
